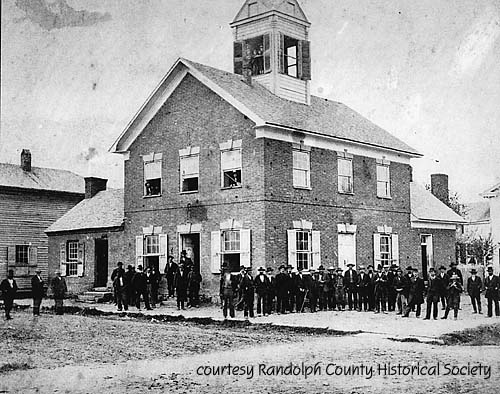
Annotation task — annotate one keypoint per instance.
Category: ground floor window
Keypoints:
(230, 247)
(151, 249)
(304, 248)
(72, 258)
(22, 254)
(346, 249)
(386, 249)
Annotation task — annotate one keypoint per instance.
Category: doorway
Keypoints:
(101, 262)
(426, 253)
(191, 244)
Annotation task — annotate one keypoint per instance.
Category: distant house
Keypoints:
(31, 199)
(86, 242)
(477, 219)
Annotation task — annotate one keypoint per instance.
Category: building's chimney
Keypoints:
(94, 185)
(439, 187)
(26, 160)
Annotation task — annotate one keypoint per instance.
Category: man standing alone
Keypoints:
(9, 289)
(37, 291)
(59, 290)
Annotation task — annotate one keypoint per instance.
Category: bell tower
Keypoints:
(271, 47)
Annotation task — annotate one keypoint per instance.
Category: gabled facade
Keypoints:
(31, 199)
(492, 194)
(234, 170)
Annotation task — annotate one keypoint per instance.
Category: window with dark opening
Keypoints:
(231, 168)
(290, 56)
(189, 170)
(254, 54)
(22, 254)
(152, 175)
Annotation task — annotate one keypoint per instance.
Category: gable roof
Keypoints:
(493, 191)
(104, 210)
(428, 208)
(323, 117)
(265, 6)
(477, 212)
(39, 178)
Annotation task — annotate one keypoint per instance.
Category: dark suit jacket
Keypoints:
(474, 286)
(181, 280)
(492, 287)
(350, 278)
(8, 291)
(170, 270)
(443, 283)
(262, 284)
(433, 287)
(281, 283)
(37, 290)
(456, 271)
(232, 287)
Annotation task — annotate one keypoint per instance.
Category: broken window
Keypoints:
(189, 169)
(152, 174)
(254, 54)
(231, 164)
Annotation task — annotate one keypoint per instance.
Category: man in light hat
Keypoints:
(454, 290)
(474, 286)
(350, 280)
(8, 287)
(37, 291)
(492, 289)
(262, 285)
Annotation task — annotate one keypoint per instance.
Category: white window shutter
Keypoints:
(33, 255)
(81, 259)
(215, 252)
(376, 250)
(245, 247)
(163, 252)
(139, 247)
(292, 245)
(62, 258)
(395, 248)
(316, 249)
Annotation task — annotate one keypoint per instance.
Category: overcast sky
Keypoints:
(428, 71)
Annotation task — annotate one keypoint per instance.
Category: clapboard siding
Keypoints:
(291, 29)
(24, 217)
(264, 79)
(292, 88)
(253, 29)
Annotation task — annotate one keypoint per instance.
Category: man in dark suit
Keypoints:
(247, 289)
(380, 289)
(474, 287)
(370, 289)
(271, 294)
(454, 270)
(492, 289)
(170, 270)
(262, 284)
(292, 289)
(350, 280)
(362, 286)
(117, 271)
(453, 301)
(401, 285)
(432, 295)
(8, 287)
(181, 285)
(140, 285)
(391, 292)
(37, 291)
(281, 283)
(228, 288)
(301, 285)
(120, 287)
(443, 279)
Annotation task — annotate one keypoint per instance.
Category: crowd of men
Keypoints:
(381, 290)
(134, 284)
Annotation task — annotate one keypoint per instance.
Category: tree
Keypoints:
(453, 202)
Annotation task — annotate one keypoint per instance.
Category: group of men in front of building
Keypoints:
(385, 289)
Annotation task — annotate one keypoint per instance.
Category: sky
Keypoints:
(74, 72)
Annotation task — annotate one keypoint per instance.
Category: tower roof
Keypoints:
(253, 8)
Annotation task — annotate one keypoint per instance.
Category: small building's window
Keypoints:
(22, 254)
(383, 181)
(72, 258)
(231, 164)
(301, 169)
(303, 249)
(189, 169)
(385, 249)
(290, 56)
(151, 245)
(345, 184)
(152, 174)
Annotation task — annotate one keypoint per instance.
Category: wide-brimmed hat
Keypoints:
(453, 263)
(350, 264)
(321, 268)
(432, 269)
(489, 268)
(331, 268)
(242, 267)
(442, 267)
(473, 271)
(361, 267)
(269, 269)
(261, 269)
(409, 268)
(282, 266)
(339, 269)
(394, 266)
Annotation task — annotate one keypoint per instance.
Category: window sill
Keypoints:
(303, 187)
(189, 192)
(152, 196)
(231, 187)
(347, 193)
(385, 197)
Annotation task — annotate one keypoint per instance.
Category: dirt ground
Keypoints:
(77, 354)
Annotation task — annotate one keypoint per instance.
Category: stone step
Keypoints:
(95, 296)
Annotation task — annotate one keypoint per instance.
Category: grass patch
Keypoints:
(14, 366)
(478, 336)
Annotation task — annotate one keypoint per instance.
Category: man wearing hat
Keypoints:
(330, 295)
(401, 286)
(119, 288)
(432, 295)
(59, 289)
(492, 289)
(322, 288)
(37, 291)
(443, 279)
(8, 287)
(474, 286)
(170, 269)
(247, 289)
(350, 280)
(292, 289)
(301, 284)
(410, 282)
(313, 289)
(454, 290)
(239, 278)
(339, 290)
(380, 287)
(370, 290)
(262, 285)
(454, 270)
(362, 287)
(228, 287)
(271, 293)
(391, 292)
(281, 285)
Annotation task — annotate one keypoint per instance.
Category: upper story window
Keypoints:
(230, 163)
(189, 165)
(301, 167)
(294, 57)
(254, 54)
(383, 179)
(290, 56)
(345, 173)
(152, 174)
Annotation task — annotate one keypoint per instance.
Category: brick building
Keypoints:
(248, 168)
(31, 198)
(84, 243)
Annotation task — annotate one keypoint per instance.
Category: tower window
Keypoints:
(254, 53)
(290, 48)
